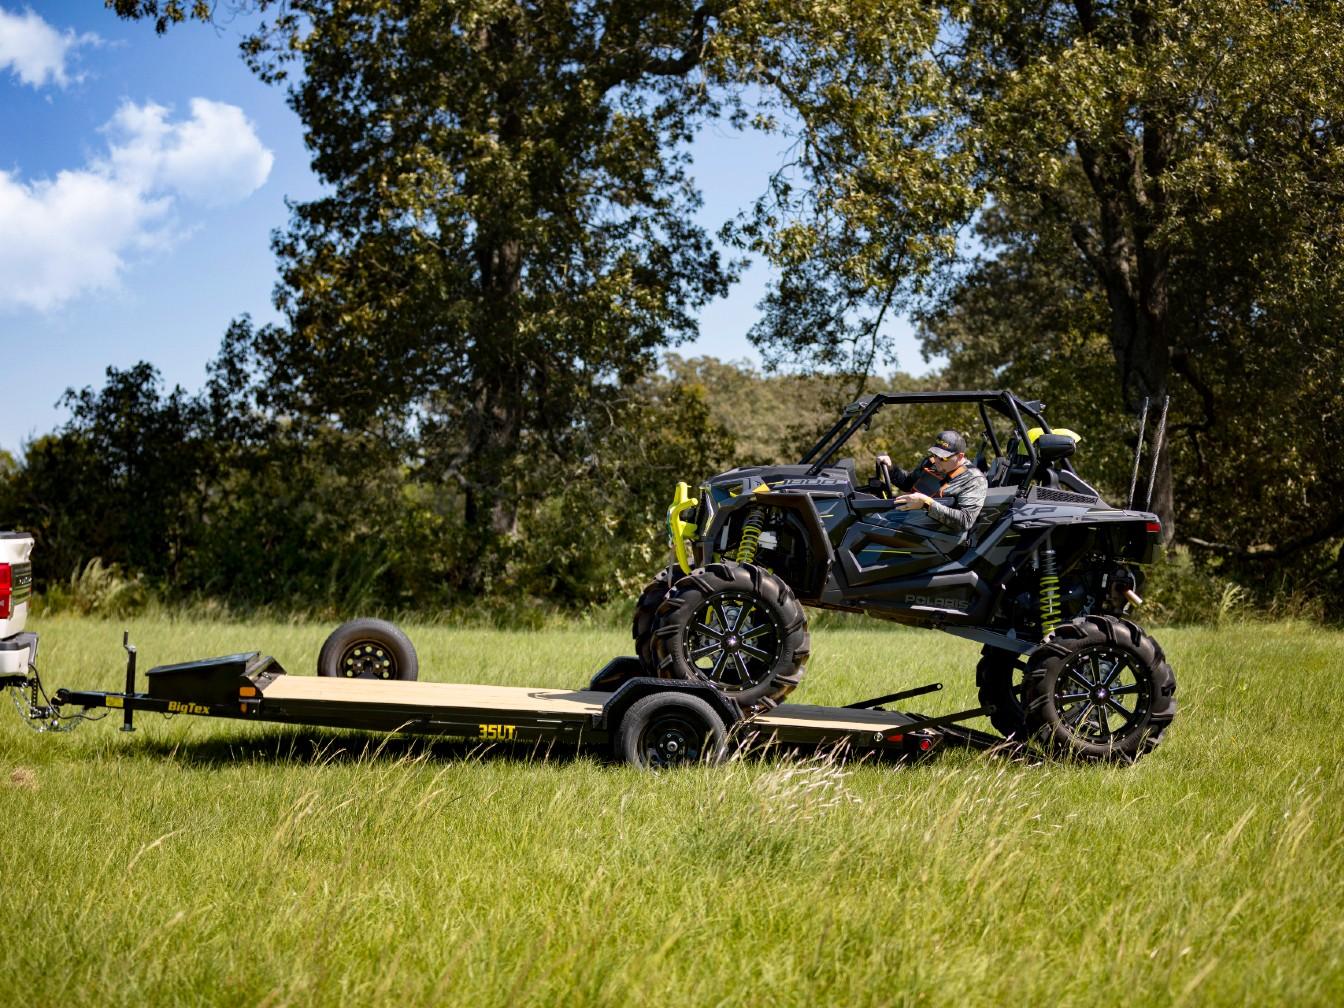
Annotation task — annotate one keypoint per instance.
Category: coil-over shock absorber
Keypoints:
(1049, 598)
(751, 535)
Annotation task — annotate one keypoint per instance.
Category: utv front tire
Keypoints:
(646, 613)
(1099, 688)
(368, 649)
(738, 628)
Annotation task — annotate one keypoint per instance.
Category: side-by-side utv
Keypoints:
(1044, 581)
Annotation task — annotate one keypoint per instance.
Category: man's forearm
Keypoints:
(961, 517)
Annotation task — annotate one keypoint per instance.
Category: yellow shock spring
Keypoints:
(1049, 593)
(751, 536)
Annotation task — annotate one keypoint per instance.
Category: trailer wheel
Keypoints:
(735, 626)
(1002, 681)
(666, 730)
(646, 612)
(368, 649)
(1099, 688)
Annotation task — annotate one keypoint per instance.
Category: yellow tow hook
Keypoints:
(681, 531)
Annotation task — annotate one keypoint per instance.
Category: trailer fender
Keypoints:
(633, 690)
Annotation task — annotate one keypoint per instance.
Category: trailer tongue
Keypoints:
(648, 722)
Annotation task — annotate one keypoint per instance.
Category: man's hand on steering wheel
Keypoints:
(884, 473)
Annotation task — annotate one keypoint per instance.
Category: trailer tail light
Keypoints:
(6, 589)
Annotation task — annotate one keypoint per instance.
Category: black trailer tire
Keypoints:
(737, 627)
(368, 649)
(1001, 678)
(1099, 688)
(646, 613)
(665, 730)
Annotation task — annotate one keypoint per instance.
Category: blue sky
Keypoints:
(140, 179)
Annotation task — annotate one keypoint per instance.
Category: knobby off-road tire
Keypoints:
(646, 612)
(368, 649)
(1001, 678)
(738, 628)
(1099, 688)
(666, 730)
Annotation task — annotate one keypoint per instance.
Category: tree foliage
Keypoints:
(508, 238)
(1153, 189)
(1166, 200)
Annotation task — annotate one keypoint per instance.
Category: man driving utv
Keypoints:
(959, 487)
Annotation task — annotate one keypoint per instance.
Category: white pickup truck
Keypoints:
(17, 648)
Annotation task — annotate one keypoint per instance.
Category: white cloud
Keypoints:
(34, 51)
(65, 236)
(213, 158)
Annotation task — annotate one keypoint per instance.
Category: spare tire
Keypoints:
(368, 649)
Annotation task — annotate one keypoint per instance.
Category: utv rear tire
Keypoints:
(646, 612)
(738, 628)
(1099, 688)
(1000, 677)
(368, 649)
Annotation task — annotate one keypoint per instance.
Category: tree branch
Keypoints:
(1266, 551)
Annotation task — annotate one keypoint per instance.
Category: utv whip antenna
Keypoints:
(1138, 453)
(1157, 451)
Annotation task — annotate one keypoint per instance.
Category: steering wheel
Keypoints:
(884, 474)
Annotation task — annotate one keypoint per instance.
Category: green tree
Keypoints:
(1259, 458)
(1141, 130)
(865, 208)
(124, 479)
(508, 238)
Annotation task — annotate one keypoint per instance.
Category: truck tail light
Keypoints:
(6, 589)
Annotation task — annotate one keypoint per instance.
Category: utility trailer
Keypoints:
(648, 722)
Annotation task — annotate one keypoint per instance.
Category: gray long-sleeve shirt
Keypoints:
(958, 500)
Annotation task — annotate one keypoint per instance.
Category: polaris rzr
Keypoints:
(1044, 581)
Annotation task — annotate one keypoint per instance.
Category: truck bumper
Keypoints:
(16, 654)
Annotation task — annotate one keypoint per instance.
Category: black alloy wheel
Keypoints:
(1099, 688)
(646, 612)
(1001, 677)
(733, 642)
(367, 659)
(1101, 694)
(735, 626)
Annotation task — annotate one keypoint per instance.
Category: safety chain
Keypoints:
(41, 715)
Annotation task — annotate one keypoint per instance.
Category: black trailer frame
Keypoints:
(254, 687)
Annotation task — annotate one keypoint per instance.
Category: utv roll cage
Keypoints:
(859, 414)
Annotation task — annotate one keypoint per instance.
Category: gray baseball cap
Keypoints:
(947, 444)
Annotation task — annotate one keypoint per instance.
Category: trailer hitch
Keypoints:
(33, 704)
(43, 713)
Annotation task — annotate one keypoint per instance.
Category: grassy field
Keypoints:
(200, 862)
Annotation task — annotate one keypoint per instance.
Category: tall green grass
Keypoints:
(199, 862)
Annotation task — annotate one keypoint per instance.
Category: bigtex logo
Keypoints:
(182, 707)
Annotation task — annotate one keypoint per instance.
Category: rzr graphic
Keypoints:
(1044, 580)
